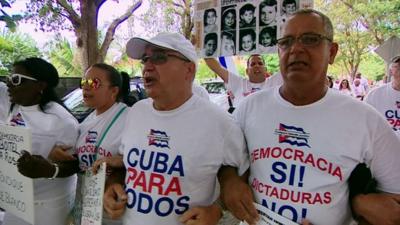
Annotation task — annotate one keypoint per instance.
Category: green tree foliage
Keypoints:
(352, 38)
(272, 62)
(79, 16)
(169, 15)
(372, 66)
(360, 26)
(380, 18)
(13, 47)
(63, 56)
(10, 20)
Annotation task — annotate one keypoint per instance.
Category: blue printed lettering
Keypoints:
(279, 168)
(390, 114)
(156, 161)
(132, 162)
(169, 206)
(182, 204)
(161, 163)
(162, 206)
(145, 203)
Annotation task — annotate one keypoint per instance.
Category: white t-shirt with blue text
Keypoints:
(302, 156)
(172, 158)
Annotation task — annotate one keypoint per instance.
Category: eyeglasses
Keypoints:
(158, 58)
(91, 83)
(16, 79)
(307, 40)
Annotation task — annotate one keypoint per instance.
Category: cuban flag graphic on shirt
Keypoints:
(91, 137)
(292, 135)
(17, 121)
(158, 138)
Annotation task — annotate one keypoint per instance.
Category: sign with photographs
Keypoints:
(16, 190)
(241, 27)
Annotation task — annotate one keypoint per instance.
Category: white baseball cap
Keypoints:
(135, 48)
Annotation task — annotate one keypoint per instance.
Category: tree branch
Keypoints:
(99, 3)
(113, 26)
(178, 5)
(71, 14)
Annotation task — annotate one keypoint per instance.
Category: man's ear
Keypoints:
(332, 52)
(191, 71)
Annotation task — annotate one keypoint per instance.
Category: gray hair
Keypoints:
(327, 23)
(391, 65)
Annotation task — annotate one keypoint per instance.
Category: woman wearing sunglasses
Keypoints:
(100, 131)
(31, 102)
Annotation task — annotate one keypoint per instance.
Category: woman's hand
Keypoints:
(35, 166)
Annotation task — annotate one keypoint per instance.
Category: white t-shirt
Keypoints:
(55, 126)
(386, 100)
(200, 91)
(91, 131)
(172, 158)
(241, 87)
(4, 103)
(302, 156)
(364, 83)
(275, 80)
(358, 91)
(346, 92)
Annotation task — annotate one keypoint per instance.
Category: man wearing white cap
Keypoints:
(240, 87)
(171, 160)
(386, 98)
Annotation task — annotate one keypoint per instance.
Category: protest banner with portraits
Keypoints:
(241, 27)
(16, 190)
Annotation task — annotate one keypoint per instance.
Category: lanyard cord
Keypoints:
(107, 129)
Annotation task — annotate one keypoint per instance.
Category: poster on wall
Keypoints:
(241, 27)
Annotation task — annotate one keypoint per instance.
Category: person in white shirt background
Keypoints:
(386, 98)
(239, 87)
(363, 81)
(345, 87)
(358, 89)
(33, 103)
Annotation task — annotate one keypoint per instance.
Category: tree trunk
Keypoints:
(87, 35)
